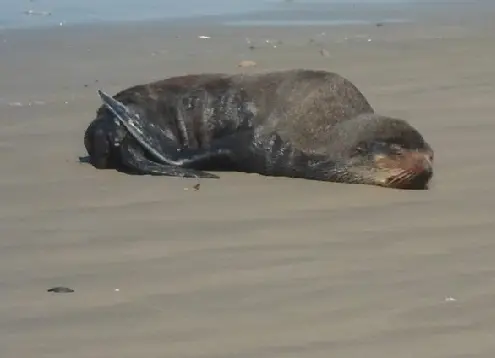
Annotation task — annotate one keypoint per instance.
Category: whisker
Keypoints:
(401, 177)
(396, 177)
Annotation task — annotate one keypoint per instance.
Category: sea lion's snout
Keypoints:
(101, 139)
(408, 169)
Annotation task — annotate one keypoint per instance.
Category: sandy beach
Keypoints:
(247, 266)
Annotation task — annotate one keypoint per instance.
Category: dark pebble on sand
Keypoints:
(60, 290)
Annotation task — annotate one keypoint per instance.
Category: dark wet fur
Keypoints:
(295, 123)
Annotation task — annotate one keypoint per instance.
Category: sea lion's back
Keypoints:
(306, 104)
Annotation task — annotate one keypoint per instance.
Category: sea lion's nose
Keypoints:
(429, 162)
(426, 162)
(419, 162)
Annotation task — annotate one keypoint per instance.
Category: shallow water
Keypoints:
(53, 12)
(31, 13)
(271, 23)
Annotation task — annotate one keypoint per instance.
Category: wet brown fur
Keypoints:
(317, 112)
(301, 114)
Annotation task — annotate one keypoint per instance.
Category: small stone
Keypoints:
(60, 289)
(324, 53)
(247, 63)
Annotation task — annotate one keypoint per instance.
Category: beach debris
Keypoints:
(324, 53)
(450, 299)
(28, 104)
(195, 187)
(246, 63)
(317, 39)
(60, 289)
(312, 41)
(37, 13)
(273, 43)
(204, 37)
(117, 290)
(250, 43)
(158, 52)
(270, 42)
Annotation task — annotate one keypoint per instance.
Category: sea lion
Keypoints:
(296, 123)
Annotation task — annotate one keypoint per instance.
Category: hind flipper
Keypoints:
(147, 135)
(152, 139)
(134, 159)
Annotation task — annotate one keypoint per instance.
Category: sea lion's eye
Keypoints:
(360, 149)
(395, 148)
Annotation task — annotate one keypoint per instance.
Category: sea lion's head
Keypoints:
(384, 151)
(102, 139)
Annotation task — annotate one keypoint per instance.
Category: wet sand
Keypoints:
(247, 266)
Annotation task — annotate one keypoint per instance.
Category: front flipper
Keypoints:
(133, 158)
